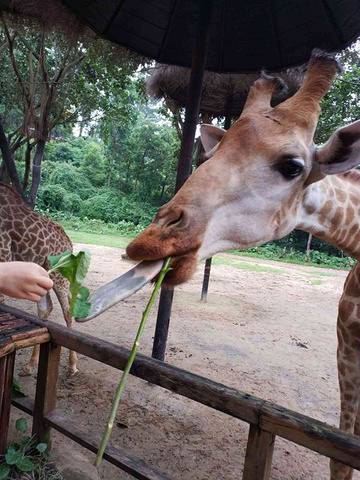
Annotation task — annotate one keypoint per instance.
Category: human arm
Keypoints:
(24, 280)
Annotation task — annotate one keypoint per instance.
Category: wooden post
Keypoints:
(206, 280)
(6, 378)
(187, 148)
(162, 324)
(259, 454)
(46, 389)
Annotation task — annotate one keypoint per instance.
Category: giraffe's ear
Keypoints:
(210, 137)
(341, 152)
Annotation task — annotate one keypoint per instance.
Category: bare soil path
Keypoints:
(268, 329)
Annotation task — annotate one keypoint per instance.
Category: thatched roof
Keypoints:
(222, 94)
(50, 14)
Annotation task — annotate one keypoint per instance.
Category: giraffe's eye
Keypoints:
(290, 168)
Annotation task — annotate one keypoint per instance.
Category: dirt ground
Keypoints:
(267, 329)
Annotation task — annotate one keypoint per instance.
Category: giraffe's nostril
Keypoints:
(176, 220)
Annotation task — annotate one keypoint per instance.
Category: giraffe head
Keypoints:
(250, 189)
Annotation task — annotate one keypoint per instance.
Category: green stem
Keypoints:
(129, 363)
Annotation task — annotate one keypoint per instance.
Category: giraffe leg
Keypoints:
(348, 357)
(61, 288)
(44, 308)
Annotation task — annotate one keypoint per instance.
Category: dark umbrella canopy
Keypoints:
(245, 34)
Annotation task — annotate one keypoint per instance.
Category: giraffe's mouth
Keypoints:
(182, 269)
(153, 244)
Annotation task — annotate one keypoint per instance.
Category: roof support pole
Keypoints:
(186, 153)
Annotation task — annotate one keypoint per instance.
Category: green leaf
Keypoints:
(41, 447)
(59, 261)
(26, 465)
(82, 306)
(13, 455)
(21, 425)
(83, 263)
(26, 441)
(74, 268)
(16, 389)
(4, 471)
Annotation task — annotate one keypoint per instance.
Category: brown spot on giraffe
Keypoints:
(27, 236)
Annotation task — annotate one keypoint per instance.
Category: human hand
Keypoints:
(24, 280)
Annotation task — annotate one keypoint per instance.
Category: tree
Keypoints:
(53, 80)
(341, 104)
(144, 156)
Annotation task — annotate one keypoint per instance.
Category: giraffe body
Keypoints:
(264, 177)
(27, 236)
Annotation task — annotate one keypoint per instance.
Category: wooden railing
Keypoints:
(267, 420)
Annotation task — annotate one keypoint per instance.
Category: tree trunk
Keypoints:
(27, 166)
(36, 172)
(9, 163)
(162, 193)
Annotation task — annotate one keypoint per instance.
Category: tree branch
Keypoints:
(9, 163)
(36, 172)
(13, 60)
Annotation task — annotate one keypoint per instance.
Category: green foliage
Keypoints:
(16, 389)
(27, 456)
(72, 179)
(93, 165)
(273, 251)
(341, 105)
(52, 197)
(112, 206)
(74, 268)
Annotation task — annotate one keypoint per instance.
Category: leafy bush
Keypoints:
(274, 251)
(52, 197)
(72, 180)
(110, 206)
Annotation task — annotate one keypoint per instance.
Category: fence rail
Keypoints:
(267, 420)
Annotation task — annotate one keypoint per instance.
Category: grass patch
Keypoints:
(323, 274)
(316, 281)
(99, 239)
(246, 266)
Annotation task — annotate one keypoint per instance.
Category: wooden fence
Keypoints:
(267, 420)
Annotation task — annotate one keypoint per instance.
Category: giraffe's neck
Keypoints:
(330, 211)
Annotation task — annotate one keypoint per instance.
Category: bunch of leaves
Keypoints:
(27, 459)
(74, 268)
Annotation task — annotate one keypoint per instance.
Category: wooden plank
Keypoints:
(46, 389)
(30, 341)
(312, 434)
(127, 462)
(259, 454)
(6, 347)
(195, 387)
(25, 404)
(300, 429)
(6, 378)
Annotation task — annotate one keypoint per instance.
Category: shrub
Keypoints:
(72, 180)
(51, 197)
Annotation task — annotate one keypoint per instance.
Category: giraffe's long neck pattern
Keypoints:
(24, 234)
(331, 209)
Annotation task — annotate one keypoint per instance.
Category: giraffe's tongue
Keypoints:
(122, 287)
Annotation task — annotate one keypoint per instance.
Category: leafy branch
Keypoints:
(165, 269)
